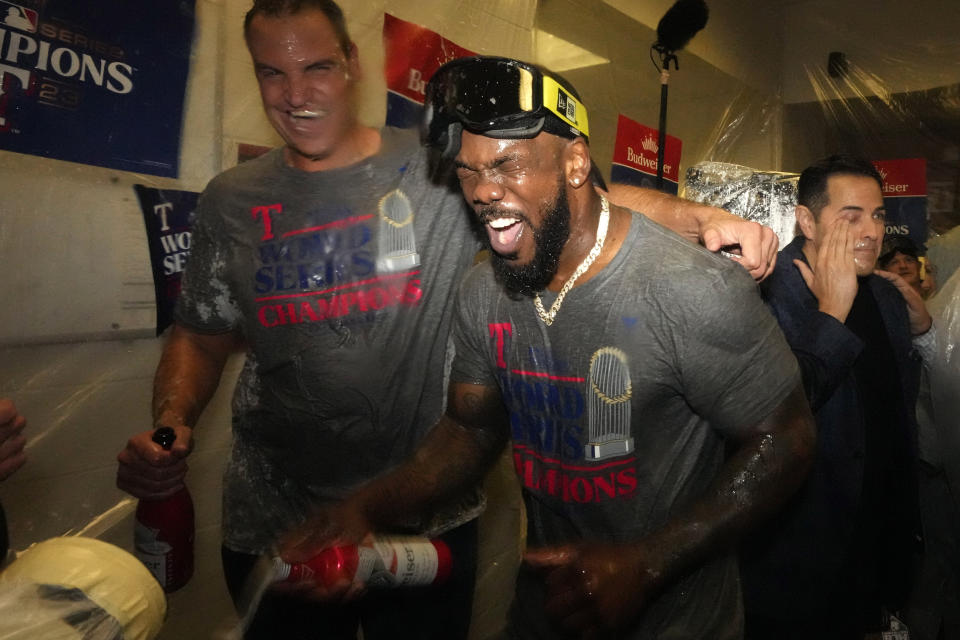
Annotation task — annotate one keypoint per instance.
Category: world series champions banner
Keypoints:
(905, 197)
(412, 53)
(635, 157)
(168, 217)
(100, 82)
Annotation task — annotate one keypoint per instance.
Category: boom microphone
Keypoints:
(680, 23)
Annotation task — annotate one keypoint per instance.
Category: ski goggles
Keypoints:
(498, 98)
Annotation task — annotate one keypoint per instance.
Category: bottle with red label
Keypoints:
(393, 561)
(164, 529)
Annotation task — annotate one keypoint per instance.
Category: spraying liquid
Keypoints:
(260, 578)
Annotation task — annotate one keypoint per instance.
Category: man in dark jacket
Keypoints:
(839, 555)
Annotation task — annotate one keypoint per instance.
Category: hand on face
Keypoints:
(594, 589)
(920, 319)
(833, 277)
(929, 284)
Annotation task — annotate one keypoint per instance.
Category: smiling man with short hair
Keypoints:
(841, 552)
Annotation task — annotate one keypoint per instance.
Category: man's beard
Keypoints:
(549, 239)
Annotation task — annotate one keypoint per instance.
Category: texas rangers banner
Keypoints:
(905, 197)
(635, 157)
(100, 82)
(168, 216)
(412, 55)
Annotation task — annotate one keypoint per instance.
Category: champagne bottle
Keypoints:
(391, 561)
(164, 530)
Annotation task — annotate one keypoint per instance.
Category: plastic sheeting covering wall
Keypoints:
(752, 91)
(897, 95)
(945, 377)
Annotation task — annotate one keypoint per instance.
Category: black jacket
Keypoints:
(791, 566)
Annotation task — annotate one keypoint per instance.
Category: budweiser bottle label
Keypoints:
(402, 561)
(151, 551)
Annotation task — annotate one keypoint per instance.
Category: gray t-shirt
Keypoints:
(620, 409)
(342, 283)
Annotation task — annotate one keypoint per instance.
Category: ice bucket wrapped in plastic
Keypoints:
(76, 588)
(767, 197)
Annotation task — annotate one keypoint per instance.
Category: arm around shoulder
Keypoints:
(751, 244)
(453, 456)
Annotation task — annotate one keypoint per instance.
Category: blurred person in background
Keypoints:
(900, 255)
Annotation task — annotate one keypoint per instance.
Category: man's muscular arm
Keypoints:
(713, 227)
(593, 588)
(454, 455)
(187, 377)
(189, 374)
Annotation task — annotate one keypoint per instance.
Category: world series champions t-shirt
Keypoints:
(620, 410)
(342, 282)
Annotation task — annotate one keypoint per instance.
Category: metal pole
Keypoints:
(662, 129)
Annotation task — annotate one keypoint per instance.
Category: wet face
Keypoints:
(516, 189)
(307, 86)
(906, 266)
(859, 200)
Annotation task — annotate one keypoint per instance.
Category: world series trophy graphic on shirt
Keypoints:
(398, 244)
(609, 405)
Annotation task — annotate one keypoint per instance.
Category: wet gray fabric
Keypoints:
(342, 282)
(671, 347)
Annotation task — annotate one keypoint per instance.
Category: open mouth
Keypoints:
(504, 234)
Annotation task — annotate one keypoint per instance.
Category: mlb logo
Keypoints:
(22, 18)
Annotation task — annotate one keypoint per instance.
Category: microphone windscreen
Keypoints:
(680, 23)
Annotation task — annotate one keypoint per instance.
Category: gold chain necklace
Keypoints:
(548, 316)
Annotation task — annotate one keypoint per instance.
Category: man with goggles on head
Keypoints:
(653, 406)
(505, 98)
(500, 98)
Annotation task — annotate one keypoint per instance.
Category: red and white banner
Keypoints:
(412, 54)
(905, 197)
(635, 156)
